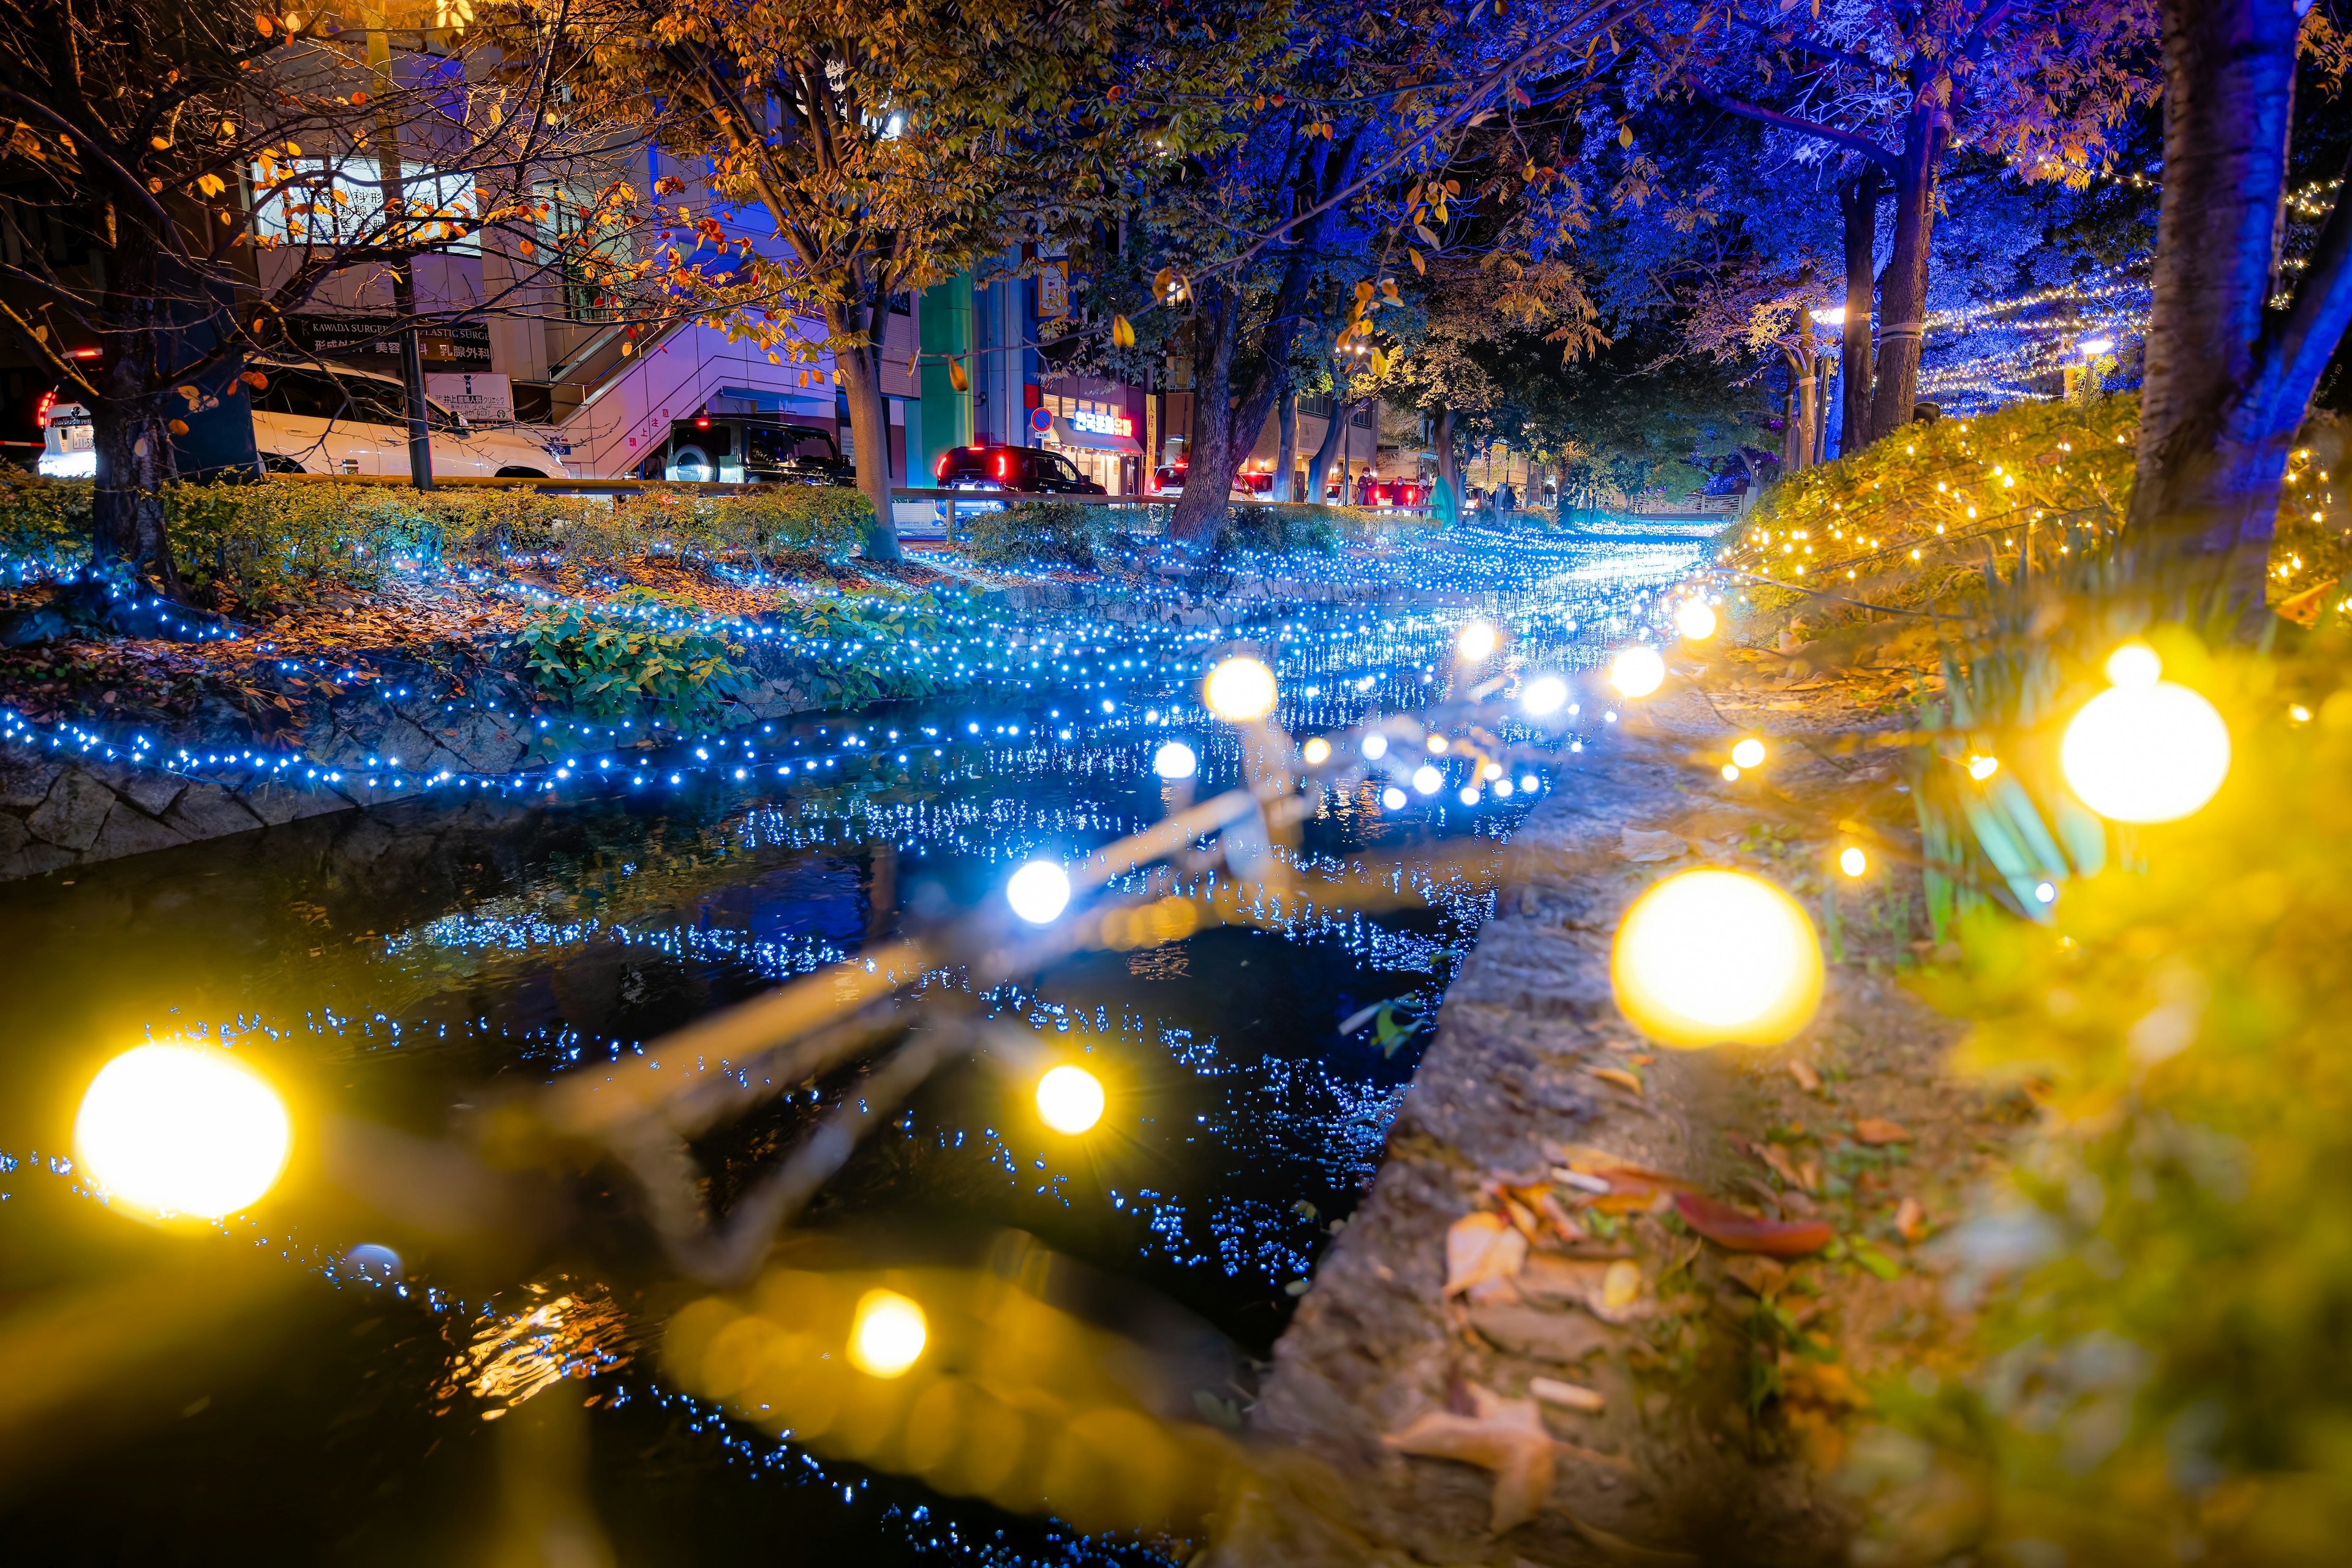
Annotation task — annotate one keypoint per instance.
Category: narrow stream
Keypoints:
(389, 966)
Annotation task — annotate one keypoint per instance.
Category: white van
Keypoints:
(312, 419)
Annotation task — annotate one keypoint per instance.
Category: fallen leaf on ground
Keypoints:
(1626, 1186)
(1762, 1276)
(1807, 1078)
(1505, 1436)
(1743, 1232)
(1617, 1076)
(1911, 1220)
(1782, 1166)
(1481, 1246)
(1568, 1396)
(1877, 1262)
(1877, 1130)
(1642, 844)
(1819, 1383)
(1620, 1286)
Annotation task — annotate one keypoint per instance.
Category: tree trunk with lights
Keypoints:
(2228, 380)
(1858, 205)
(1335, 431)
(1285, 451)
(1903, 290)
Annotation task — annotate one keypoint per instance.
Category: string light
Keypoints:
(2145, 750)
(1069, 1099)
(1714, 957)
(888, 1333)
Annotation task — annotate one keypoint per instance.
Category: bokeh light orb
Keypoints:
(887, 1335)
(1694, 620)
(1375, 746)
(1749, 753)
(1174, 760)
(1069, 1099)
(180, 1129)
(1637, 671)
(1476, 642)
(1393, 798)
(1715, 957)
(2145, 754)
(1038, 892)
(1853, 861)
(1317, 752)
(2134, 665)
(373, 1261)
(1545, 696)
(1241, 689)
(1427, 779)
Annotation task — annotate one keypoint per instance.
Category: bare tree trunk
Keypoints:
(2226, 384)
(1208, 458)
(1902, 291)
(1335, 430)
(860, 369)
(1797, 425)
(129, 427)
(1285, 451)
(1449, 465)
(1858, 204)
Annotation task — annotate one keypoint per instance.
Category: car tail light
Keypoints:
(939, 469)
(41, 414)
(701, 421)
(1004, 466)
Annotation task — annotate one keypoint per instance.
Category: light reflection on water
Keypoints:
(393, 964)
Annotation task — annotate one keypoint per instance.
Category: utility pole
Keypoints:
(391, 179)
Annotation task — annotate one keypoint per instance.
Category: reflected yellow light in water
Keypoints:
(1716, 957)
(1637, 671)
(1749, 753)
(2147, 754)
(180, 1129)
(1476, 642)
(1069, 1099)
(1317, 751)
(1241, 689)
(1694, 620)
(887, 1335)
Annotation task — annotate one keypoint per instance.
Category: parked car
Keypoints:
(315, 419)
(741, 449)
(988, 470)
(1169, 480)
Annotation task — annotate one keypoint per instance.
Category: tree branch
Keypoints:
(2307, 339)
(1852, 141)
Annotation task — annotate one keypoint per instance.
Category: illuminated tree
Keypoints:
(2228, 377)
(888, 148)
(1897, 88)
(169, 144)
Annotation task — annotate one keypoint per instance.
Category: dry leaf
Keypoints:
(1617, 1076)
(1803, 1071)
(1620, 1288)
(1568, 1396)
(1642, 843)
(1479, 1248)
(1744, 1232)
(1783, 1167)
(1877, 1130)
(1762, 1276)
(1911, 1220)
(1505, 1436)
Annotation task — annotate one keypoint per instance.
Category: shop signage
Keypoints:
(374, 341)
(1101, 422)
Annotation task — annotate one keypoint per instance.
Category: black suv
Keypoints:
(749, 450)
(1029, 470)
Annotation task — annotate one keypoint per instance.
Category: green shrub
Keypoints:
(608, 660)
(44, 523)
(266, 546)
(863, 650)
(2162, 1374)
(1286, 530)
(1068, 534)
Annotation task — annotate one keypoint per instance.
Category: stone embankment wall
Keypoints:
(68, 805)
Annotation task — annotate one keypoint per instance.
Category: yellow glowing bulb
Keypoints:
(1853, 861)
(1716, 957)
(1475, 642)
(1241, 689)
(1749, 753)
(180, 1129)
(1069, 1099)
(2134, 665)
(2145, 754)
(1982, 767)
(887, 1335)
(1637, 671)
(1317, 750)
(1731, 772)
(1694, 620)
